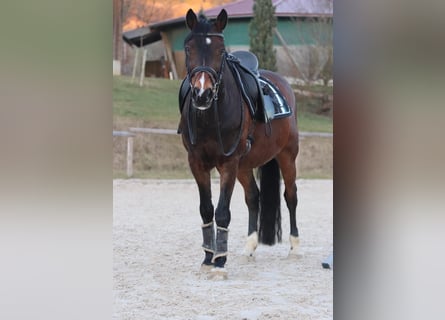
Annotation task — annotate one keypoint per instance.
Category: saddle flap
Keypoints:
(275, 105)
(183, 92)
(248, 60)
(247, 82)
(264, 99)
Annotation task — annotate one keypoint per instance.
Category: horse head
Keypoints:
(205, 57)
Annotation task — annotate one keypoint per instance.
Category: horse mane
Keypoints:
(203, 25)
(202, 17)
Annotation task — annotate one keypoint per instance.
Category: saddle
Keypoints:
(263, 98)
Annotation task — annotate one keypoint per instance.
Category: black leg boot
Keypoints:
(208, 244)
(220, 255)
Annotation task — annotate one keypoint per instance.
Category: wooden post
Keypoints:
(129, 156)
(129, 136)
(168, 48)
(135, 63)
(144, 57)
(117, 29)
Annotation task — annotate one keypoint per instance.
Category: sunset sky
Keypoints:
(171, 9)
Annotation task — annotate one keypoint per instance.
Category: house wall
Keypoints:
(303, 31)
(155, 52)
(299, 34)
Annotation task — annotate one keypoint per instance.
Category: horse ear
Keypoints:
(191, 19)
(221, 20)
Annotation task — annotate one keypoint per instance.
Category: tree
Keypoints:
(261, 33)
(315, 54)
(117, 29)
(143, 12)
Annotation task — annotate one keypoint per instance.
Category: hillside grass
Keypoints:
(155, 105)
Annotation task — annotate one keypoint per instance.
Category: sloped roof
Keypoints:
(141, 36)
(244, 9)
(283, 8)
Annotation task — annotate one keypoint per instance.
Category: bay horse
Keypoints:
(219, 131)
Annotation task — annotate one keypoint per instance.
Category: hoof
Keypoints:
(206, 268)
(247, 259)
(251, 245)
(294, 247)
(218, 274)
(295, 255)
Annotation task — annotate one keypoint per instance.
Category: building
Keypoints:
(303, 37)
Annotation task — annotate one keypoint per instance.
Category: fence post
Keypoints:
(144, 59)
(129, 156)
(130, 137)
(135, 62)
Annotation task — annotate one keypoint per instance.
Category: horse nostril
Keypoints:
(207, 94)
(202, 97)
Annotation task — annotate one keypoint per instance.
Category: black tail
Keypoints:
(270, 213)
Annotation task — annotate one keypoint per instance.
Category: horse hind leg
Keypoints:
(289, 173)
(290, 195)
(251, 196)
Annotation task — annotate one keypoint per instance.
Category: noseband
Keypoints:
(215, 77)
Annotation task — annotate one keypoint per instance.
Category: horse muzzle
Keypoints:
(202, 99)
(204, 84)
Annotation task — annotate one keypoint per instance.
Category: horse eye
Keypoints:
(187, 50)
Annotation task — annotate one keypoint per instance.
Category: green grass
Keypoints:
(308, 118)
(314, 122)
(155, 104)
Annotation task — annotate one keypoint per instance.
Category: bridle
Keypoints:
(215, 77)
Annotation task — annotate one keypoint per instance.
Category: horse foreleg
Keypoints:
(202, 178)
(228, 172)
(251, 196)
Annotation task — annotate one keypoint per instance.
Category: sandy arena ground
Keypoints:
(157, 255)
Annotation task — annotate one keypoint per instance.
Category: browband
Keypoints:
(210, 34)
